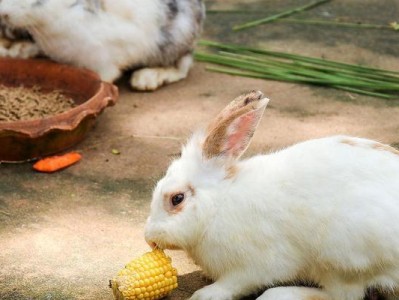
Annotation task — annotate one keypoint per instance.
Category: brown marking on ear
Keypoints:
(235, 105)
(217, 130)
(216, 138)
(383, 147)
(349, 142)
(231, 172)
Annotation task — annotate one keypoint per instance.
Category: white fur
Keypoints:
(293, 293)
(324, 211)
(108, 36)
(152, 78)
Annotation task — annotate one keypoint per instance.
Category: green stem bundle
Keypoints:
(259, 63)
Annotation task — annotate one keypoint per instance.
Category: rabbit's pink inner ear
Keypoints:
(229, 135)
(239, 133)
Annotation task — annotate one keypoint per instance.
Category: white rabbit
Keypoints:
(108, 36)
(324, 211)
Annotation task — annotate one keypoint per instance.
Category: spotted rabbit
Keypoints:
(108, 36)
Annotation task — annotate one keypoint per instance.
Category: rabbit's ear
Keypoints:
(230, 133)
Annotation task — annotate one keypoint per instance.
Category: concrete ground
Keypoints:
(62, 236)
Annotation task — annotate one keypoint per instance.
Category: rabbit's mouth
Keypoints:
(172, 247)
(163, 246)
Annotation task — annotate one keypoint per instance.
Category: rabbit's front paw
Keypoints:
(212, 292)
(148, 79)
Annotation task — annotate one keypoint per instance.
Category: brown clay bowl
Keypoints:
(30, 139)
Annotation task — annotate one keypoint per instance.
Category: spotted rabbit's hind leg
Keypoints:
(149, 79)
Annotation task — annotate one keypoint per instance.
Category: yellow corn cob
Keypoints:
(148, 277)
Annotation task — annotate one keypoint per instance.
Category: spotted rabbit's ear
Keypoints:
(231, 132)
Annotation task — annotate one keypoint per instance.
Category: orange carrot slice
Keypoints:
(54, 163)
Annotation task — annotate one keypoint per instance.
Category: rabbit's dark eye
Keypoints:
(177, 199)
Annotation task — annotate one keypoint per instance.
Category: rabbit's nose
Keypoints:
(153, 245)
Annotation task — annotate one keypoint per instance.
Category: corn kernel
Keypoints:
(150, 276)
